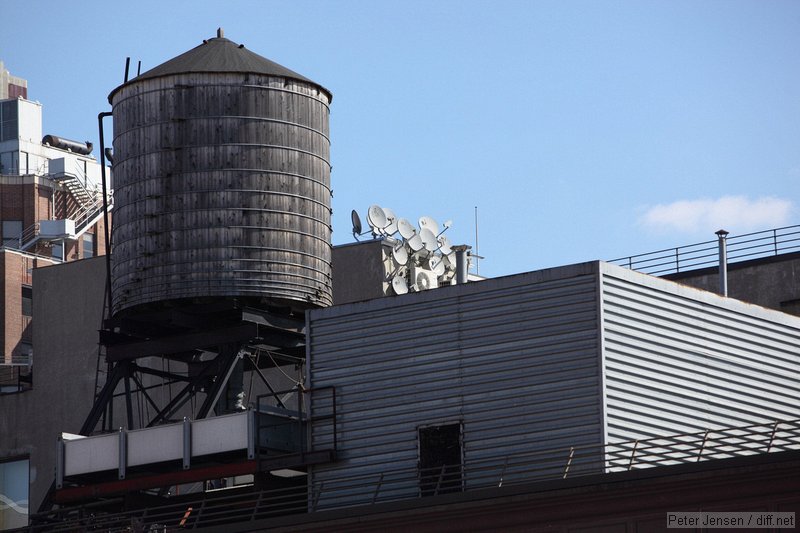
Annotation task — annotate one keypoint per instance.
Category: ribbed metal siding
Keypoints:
(514, 359)
(680, 360)
(222, 188)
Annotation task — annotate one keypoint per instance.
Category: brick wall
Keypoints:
(15, 272)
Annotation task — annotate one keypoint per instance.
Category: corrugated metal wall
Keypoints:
(514, 359)
(681, 360)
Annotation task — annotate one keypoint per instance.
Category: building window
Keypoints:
(27, 300)
(12, 229)
(14, 488)
(88, 245)
(440, 459)
(8, 120)
(57, 251)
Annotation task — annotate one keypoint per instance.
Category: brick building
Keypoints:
(50, 212)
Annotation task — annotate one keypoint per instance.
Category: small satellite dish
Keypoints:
(406, 229)
(415, 243)
(428, 223)
(399, 284)
(391, 219)
(429, 240)
(356, 223)
(449, 261)
(377, 219)
(436, 265)
(400, 254)
(445, 246)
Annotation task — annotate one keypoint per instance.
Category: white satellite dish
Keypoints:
(399, 284)
(391, 221)
(405, 228)
(415, 243)
(429, 239)
(449, 261)
(377, 219)
(445, 246)
(446, 227)
(428, 223)
(400, 253)
(436, 264)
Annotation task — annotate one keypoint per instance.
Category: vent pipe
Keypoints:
(722, 235)
(462, 262)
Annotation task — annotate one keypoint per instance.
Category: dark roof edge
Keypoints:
(220, 56)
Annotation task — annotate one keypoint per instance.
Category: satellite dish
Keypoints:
(400, 254)
(415, 243)
(356, 223)
(445, 246)
(391, 219)
(377, 219)
(428, 223)
(429, 239)
(399, 284)
(405, 228)
(449, 261)
(436, 265)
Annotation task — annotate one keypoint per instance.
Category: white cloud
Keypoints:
(737, 214)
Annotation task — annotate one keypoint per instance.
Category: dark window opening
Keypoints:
(440, 459)
(27, 301)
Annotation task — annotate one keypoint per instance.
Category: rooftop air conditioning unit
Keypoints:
(423, 279)
(57, 229)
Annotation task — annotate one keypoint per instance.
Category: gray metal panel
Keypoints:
(222, 186)
(679, 360)
(514, 359)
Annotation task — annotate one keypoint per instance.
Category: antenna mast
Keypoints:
(477, 251)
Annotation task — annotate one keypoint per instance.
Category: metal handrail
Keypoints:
(705, 254)
(409, 483)
(83, 214)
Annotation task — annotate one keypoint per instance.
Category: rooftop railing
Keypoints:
(706, 254)
(348, 491)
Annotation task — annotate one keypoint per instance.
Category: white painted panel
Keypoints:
(91, 454)
(156, 444)
(219, 434)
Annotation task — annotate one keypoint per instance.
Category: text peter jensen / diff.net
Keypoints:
(732, 520)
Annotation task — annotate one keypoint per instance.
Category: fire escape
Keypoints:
(81, 209)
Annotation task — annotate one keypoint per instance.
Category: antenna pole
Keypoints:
(477, 251)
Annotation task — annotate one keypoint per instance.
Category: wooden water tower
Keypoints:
(221, 233)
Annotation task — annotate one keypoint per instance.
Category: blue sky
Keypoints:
(580, 129)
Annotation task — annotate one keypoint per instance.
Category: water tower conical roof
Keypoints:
(220, 55)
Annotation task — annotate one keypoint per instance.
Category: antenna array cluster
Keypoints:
(422, 258)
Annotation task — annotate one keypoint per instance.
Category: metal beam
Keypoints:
(228, 357)
(179, 343)
(151, 481)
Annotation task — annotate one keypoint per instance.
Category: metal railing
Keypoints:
(411, 483)
(15, 378)
(706, 254)
(283, 422)
(85, 214)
